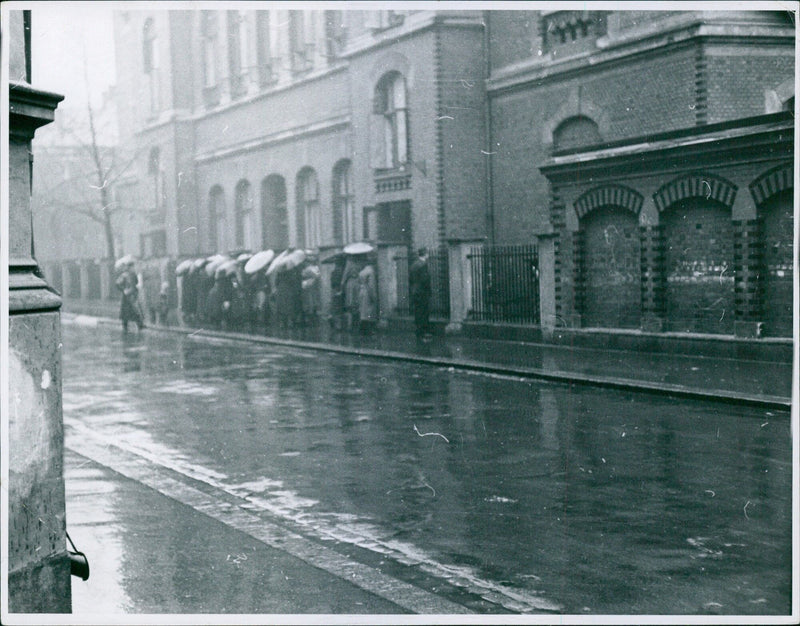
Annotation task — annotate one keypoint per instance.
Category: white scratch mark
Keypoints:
(745, 509)
(428, 434)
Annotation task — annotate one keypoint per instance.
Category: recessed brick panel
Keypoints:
(778, 232)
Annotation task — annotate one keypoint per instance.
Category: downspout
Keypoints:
(487, 121)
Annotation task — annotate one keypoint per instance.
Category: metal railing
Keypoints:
(505, 284)
(438, 266)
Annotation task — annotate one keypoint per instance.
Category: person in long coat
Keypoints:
(350, 289)
(419, 278)
(129, 310)
(367, 299)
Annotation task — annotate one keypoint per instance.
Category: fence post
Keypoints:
(460, 282)
(547, 284)
(387, 281)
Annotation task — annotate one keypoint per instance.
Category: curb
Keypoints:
(609, 382)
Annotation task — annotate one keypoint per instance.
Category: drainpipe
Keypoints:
(488, 128)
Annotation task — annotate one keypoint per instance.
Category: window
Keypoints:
(274, 221)
(380, 20)
(575, 132)
(342, 202)
(265, 60)
(210, 54)
(150, 63)
(301, 40)
(216, 220)
(157, 186)
(390, 106)
(335, 34)
(245, 216)
(307, 209)
(237, 52)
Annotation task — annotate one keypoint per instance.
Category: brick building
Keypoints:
(275, 128)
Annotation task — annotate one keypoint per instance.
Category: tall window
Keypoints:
(217, 240)
(150, 62)
(264, 59)
(245, 216)
(237, 52)
(301, 40)
(308, 208)
(390, 105)
(274, 221)
(335, 34)
(210, 53)
(342, 202)
(157, 185)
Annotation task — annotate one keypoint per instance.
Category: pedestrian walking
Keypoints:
(367, 299)
(350, 288)
(419, 279)
(128, 284)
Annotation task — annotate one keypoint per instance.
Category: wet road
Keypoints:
(494, 494)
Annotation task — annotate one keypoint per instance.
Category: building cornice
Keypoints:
(765, 135)
(290, 134)
(29, 109)
(615, 50)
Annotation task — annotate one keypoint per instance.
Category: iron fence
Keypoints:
(505, 284)
(439, 269)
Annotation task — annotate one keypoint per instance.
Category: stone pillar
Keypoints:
(460, 268)
(37, 557)
(388, 292)
(747, 263)
(547, 284)
(653, 289)
(83, 267)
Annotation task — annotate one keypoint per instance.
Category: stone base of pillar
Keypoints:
(747, 330)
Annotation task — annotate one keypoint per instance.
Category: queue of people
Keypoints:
(262, 291)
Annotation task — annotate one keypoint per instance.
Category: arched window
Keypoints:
(210, 53)
(217, 240)
(245, 216)
(390, 105)
(307, 214)
(575, 132)
(274, 221)
(342, 202)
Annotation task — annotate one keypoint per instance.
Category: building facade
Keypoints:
(277, 128)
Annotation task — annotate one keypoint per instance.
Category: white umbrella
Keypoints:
(214, 263)
(197, 264)
(184, 266)
(277, 262)
(360, 247)
(126, 260)
(293, 259)
(258, 261)
(226, 267)
(244, 256)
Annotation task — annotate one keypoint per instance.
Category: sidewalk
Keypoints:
(763, 383)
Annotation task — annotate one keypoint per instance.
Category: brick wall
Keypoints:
(514, 36)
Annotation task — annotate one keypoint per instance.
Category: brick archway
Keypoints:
(615, 195)
(772, 182)
(699, 185)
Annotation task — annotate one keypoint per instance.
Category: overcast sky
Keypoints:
(62, 34)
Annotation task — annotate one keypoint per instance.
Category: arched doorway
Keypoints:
(611, 268)
(698, 266)
(274, 220)
(777, 236)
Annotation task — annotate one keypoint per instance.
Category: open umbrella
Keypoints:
(360, 247)
(226, 267)
(244, 256)
(126, 260)
(184, 266)
(293, 259)
(277, 262)
(258, 261)
(198, 263)
(214, 263)
(334, 258)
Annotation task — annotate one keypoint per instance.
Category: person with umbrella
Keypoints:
(128, 283)
(419, 279)
(367, 299)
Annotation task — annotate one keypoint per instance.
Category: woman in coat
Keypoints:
(367, 299)
(129, 311)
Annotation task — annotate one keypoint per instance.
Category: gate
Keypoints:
(505, 284)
